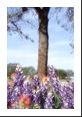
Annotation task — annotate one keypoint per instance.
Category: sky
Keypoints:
(25, 52)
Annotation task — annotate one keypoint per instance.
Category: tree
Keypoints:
(29, 70)
(11, 68)
(43, 41)
(62, 74)
(43, 20)
(70, 74)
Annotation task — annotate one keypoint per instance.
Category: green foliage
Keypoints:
(62, 74)
(70, 73)
(57, 101)
(11, 68)
(35, 106)
(29, 71)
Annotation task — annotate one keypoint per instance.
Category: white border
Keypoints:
(3, 57)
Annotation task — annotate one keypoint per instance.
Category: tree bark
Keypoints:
(43, 43)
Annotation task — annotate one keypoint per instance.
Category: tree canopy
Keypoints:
(64, 16)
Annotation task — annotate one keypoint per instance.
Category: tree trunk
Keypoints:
(43, 43)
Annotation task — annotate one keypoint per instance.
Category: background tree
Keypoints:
(43, 20)
(11, 68)
(27, 70)
(62, 74)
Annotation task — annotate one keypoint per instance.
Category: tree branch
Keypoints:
(24, 9)
(17, 29)
(37, 9)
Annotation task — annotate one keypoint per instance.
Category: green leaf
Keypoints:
(57, 101)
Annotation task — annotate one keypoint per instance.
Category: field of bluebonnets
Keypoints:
(32, 93)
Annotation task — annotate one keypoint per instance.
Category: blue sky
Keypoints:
(25, 52)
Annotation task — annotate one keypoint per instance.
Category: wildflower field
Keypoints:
(25, 92)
